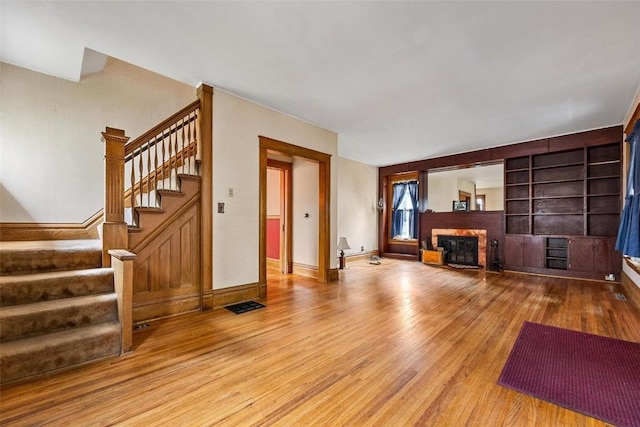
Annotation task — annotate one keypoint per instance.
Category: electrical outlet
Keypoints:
(230, 192)
(361, 248)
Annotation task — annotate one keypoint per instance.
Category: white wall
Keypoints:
(494, 198)
(305, 202)
(443, 190)
(51, 156)
(273, 192)
(357, 205)
(237, 123)
(467, 187)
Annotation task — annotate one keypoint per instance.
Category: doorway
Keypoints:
(279, 214)
(324, 185)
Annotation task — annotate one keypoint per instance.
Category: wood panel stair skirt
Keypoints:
(58, 307)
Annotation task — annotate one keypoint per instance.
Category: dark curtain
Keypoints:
(628, 241)
(413, 218)
(396, 220)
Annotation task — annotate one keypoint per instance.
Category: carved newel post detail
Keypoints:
(114, 228)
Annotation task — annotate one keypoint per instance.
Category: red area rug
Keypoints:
(594, 375)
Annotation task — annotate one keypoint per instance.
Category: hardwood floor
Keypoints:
(390, 345)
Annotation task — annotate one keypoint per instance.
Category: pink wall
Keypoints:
(273, 238)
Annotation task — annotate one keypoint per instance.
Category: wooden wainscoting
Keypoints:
(305, 270)
(360, 256)
(167, 271)
(215, 298)
(24, 231)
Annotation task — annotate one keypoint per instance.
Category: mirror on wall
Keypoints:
(476, 188)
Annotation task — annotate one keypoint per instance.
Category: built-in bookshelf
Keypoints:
(573, 192)
(556, 253)
(603, 190)
(517, 189)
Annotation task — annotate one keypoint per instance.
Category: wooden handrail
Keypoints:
(147, 183)
(158, 139)
(156, 130)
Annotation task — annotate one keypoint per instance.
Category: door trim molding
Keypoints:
(324, 202)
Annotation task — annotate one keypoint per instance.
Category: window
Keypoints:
(404, 215)
(480, 202)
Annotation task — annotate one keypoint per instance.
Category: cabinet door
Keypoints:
(581, 254)
(534, 251)
(514, 251)
(606, 258)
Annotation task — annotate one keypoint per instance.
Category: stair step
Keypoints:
(33, 356)
(170, 193)
(143, 209)
(29, 320)
(30, 288)
(189, 176)
(49, 255)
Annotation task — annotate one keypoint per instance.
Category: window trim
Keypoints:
(394, 179)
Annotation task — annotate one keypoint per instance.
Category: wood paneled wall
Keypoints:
(477, 220)
(492, 221)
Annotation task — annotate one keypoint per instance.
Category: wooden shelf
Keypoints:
(561, 165)
(556, 253)
(603, 177)
(606, 162)
(577, 196)
(603, 194)
(558, 181)
(558, 213)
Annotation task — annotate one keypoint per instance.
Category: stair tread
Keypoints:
(41, 318)
(174, 193)
(29, 277)
(149, 209)
(56, 304)
(66, 336)
(57, 245)
(46, 286)
(189, 176)
(24, 358)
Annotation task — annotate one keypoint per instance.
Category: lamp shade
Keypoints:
(342, 244)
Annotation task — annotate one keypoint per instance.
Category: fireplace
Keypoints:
(459, 249)
(481, 235)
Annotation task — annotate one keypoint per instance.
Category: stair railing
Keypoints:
(154, 160)
(135, 171)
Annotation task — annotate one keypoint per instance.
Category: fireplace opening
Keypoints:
(459, 249)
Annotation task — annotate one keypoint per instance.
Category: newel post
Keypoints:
(122, 263)
(114, 228)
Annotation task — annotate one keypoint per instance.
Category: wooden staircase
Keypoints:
(58, 307)
(69, 302)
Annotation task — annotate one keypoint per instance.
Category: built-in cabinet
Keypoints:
(562, 211)
(562, 204)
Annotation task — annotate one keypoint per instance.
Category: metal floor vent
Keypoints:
(620, 296)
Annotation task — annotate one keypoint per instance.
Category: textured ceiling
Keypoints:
(398, 81)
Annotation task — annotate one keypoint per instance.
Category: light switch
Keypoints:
(220, 207)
